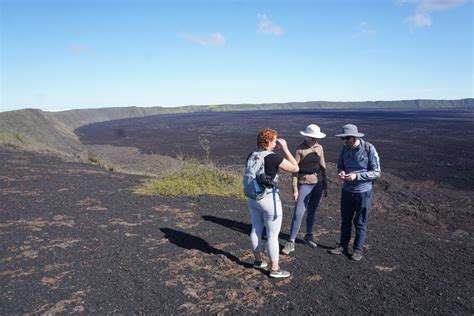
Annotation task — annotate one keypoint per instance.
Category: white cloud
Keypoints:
(268, 27)
(363, 29)
(438, 5)
(432, 5)
(423, 8)
(419, 20)
(214, 39)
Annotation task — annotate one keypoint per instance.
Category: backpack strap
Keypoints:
(263, 153)
(247, 159)
(274, 203)
(367, 147)
(367, 151)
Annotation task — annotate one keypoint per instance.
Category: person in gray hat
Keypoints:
(358, 165)
(309, 184)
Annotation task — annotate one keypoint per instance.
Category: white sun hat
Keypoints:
(313, 131)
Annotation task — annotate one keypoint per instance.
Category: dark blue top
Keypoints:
(366, 166)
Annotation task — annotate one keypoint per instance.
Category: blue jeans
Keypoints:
(355, 208)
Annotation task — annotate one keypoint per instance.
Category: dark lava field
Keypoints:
(424, 145)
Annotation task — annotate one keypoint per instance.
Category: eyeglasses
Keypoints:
(346, 138)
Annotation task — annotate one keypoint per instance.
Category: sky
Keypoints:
(71, 54)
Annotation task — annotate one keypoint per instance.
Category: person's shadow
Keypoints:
(241, 227)
(245, 228)
(187, 241)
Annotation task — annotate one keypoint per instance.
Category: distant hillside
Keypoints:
(33, 129)
(405, 104)
(76, 118)
(36, 129)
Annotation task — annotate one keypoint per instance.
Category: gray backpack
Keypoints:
(255, 170)
(256, 183)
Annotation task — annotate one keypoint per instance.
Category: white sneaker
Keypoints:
(279, 274)
(310, 241)
(289, 247)
(260, 264)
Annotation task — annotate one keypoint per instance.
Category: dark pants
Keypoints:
(354, 208)
(308, 199)
(312, 206)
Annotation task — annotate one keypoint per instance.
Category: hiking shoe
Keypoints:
(279, 273)
(289, 247)
(356, 256)
(310, 241)
(260, 264)
(338, 251)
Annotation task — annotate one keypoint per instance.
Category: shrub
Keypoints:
(206, 146)
(194, 179)
(19, 138)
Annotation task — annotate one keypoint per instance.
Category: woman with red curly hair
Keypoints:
(267, 211)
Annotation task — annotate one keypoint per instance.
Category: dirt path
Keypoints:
(75, 239)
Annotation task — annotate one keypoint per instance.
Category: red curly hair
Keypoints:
(265, 136)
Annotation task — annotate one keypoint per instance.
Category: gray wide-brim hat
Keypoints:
(313, 131)
(350, 130)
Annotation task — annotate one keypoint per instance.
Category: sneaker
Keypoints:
(356, 256)
(260, 264)
(279, 273)
(308, 238)
(338, 251)
(289, 247)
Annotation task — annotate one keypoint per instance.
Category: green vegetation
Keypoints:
(37, 131)
(92, 158)
(194, 179)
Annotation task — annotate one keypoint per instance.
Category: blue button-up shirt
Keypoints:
(365, 166)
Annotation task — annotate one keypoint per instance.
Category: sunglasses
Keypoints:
(346, 138)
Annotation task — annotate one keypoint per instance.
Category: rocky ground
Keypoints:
(74, 238)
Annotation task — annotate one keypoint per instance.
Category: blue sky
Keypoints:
(85, 54)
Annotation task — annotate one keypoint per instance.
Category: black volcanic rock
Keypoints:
(76, 239)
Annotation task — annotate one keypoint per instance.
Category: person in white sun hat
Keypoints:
(309, 184)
